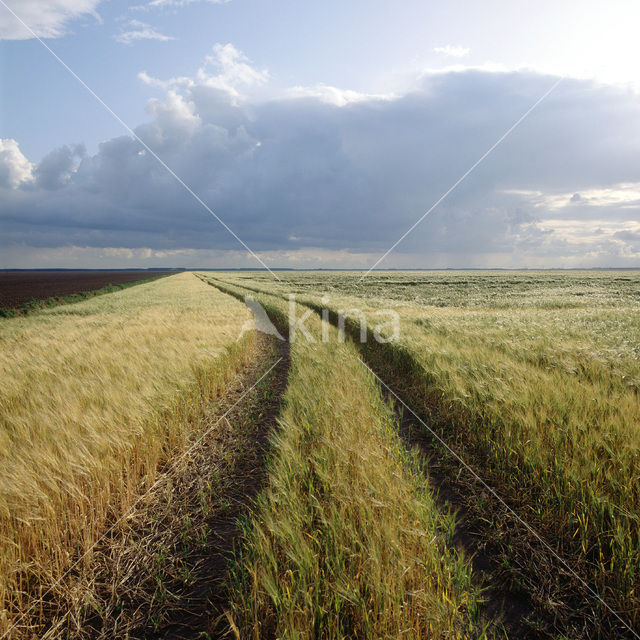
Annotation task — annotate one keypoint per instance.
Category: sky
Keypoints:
(318, 134)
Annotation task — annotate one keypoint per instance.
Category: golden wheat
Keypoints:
(534, 375)
(347, 540)
(94, 395)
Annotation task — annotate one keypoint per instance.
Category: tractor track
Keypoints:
(204, 606)
(168, 577)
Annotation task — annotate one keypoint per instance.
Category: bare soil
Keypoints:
(20, 287)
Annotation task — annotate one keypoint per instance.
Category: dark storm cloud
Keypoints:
(295, 173)
(54, 170)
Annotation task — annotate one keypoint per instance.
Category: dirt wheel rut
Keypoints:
(166, 579)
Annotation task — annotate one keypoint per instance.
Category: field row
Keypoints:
(96, 396)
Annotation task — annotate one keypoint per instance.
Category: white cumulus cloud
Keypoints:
(228, 69)
(42, 18)
(452, 51)
(137, 30)
(334, 95)
(15, 169)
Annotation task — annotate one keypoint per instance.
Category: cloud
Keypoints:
(307, 179)
(135, 30)
(46, 18)
(452, 51)
(15, 169)
(333, 95)
(57, 167)
(175, 3)
(227, 70)
(626, 194)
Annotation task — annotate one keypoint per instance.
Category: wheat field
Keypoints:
(535, 378)
(532, 377)
(94, 397)
(346, 540)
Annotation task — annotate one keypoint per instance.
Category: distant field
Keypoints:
(463, 289)
(20, 287)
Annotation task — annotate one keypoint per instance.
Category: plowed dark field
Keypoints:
(19, 287)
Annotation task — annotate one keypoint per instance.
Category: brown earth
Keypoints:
(20, 287)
